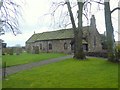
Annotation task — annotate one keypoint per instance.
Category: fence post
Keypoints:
(4, 70)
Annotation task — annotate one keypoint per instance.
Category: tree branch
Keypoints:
(10, 12)
(71, 14)
(115, 9)
(98, 2)
(118, 32)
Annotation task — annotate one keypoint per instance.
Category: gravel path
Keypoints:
(15, 69)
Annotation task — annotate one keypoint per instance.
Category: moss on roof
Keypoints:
(58, 34)
(32, 38)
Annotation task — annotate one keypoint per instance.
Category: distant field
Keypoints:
(27, 58)
(70, 73)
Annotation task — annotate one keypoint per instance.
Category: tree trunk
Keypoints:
(73, 23)
(78, 50)
(109, 32)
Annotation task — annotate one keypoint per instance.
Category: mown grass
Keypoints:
(70, 73)
(28, 58)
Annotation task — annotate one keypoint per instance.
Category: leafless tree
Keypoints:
(10, 11)
(83, 9)
(110, 30)
(81, 6)
(78, 50)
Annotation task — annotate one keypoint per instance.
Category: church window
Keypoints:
(41, 46)
(94, 41)
(50, 46)
(65, 46)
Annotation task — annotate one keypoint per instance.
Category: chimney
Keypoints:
(93, 21)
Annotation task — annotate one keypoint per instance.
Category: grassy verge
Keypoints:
(28, 58)
(92, 73)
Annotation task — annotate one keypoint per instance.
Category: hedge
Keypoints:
(97, 54)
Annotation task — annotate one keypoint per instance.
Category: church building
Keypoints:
(61, 40)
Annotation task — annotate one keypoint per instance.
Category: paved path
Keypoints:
(15, 69)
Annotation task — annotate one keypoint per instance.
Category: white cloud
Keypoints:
(12, 40)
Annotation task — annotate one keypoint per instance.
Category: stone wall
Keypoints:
(57, 46)
(94, 41)
(64, 46)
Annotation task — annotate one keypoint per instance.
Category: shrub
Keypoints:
(111, 57)
(3, 51)
(117, 50)
(97, 54)
(10, 52)
(18, 50)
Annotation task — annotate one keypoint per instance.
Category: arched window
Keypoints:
(72, 46)
(65, 46)
(40, 46)
(50, 46)
(94, 41)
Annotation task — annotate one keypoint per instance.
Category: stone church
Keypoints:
(61, 40)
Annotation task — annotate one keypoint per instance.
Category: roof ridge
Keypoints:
(60, 30)
(54, 31)
(56, 34)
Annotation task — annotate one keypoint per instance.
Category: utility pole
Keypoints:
(119, 21)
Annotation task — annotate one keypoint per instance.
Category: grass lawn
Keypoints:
(92, 73)
(27, 58)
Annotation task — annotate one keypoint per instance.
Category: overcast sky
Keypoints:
(35, 21)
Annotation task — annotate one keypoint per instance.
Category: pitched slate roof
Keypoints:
(54, 35)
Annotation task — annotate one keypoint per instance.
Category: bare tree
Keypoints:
(78, 48)
(82, 5)
(78, 32)
(109, 31)
(10, 12)
(73, 25)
